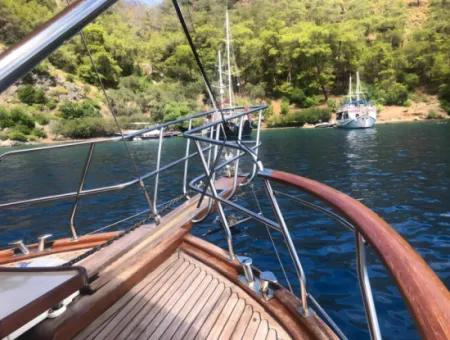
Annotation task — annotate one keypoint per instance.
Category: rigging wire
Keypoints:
(116, 121)
(198, 61)
(271, 240)
(224, 125)
(190, 16)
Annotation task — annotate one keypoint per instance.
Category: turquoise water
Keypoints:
(402, 171)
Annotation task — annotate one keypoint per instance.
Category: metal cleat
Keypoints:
(266, 278)
(21, 246)
(246, 263)
(41, 243)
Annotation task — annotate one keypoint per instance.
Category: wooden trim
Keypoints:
(58, 246)
(283, 307)
(425, 294)
(88, 307)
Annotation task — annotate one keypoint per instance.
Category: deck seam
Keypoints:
(145, 284)
(216, 285)
(208, 279)
(231, 314)
(163, 293)
(134, 311)
(190, 280)
(227, 294)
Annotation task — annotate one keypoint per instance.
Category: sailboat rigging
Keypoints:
(357, 112)
(230, 102)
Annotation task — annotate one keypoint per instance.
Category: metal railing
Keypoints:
(139, 180)
(209, 190)
(210, 141)
(278, 224)
(361, 263)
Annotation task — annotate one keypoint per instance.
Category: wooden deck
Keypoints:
(159, 282)
(184, 299)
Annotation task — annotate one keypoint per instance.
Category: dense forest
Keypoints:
(298, 51)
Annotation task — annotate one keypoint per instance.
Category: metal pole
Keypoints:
(158, 165)
(236, 164)
(218, 203)
(211, 135)
(87, 164)
(258, 138)
(22, 57)
(366, 290)
(220, 80)
(186, 162)
(230, 84)
(290, 246)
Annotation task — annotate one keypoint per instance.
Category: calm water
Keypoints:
(402, 171)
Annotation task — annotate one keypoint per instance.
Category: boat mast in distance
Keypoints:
(356, 112)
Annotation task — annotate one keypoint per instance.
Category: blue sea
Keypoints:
(401, 171)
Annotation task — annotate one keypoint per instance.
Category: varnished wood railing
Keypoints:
(425, 294)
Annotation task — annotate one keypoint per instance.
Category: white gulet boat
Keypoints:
(357, 112)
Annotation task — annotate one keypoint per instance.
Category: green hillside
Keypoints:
(301, 52)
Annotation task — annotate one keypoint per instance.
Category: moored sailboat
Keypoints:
(356, 112)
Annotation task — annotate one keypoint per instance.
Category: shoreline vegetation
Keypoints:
(388, 120)
(298, 61)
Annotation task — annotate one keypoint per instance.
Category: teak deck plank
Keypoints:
(184, 299)
(122, 311)
(152, 306)
(252, 326)
(126, 315)
(195, 318)
(241, 326)
(128, 300)
(271, 335)
(262, 330)
(203, 331)
(171, 322)
(231, 324)
(168, 307)
(223, 317)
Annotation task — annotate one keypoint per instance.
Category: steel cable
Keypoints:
(116, 121)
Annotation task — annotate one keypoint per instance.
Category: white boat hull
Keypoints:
(362, 122)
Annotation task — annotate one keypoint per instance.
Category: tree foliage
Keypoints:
(303, 51)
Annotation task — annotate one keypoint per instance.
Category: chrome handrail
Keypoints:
(21, 58)
(361, 266)
(81, 192)
(280, 224)
(210, 191)
(80, 187)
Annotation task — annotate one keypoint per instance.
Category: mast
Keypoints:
(358, 86)
(219, 55)
(230, 84)
(350, 88)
